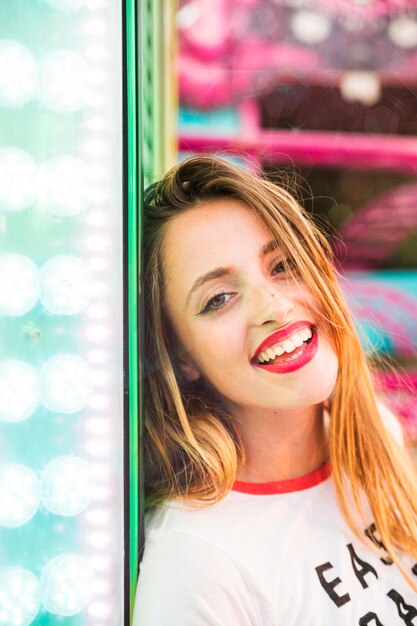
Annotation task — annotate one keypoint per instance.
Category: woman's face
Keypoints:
(222, 321)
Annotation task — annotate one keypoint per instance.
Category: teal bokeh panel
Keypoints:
(38, 335)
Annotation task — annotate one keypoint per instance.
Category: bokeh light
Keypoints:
(17, 179)
(64, 81)
(66, 485)
(18, 74)
(19, 495)
(19, 597)
(66, 584)
(65, 383)
(65, 285)
(65, 186)
(310, 27)
(66, 5)
(19, 284)
(19, 390)
(403, 31)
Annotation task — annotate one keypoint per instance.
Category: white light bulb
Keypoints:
(99, 264)
(101, 471)
(102, 586)
(66, 485)
(99, 333)
(101, 378)
(310, 27)
(403, 32)
(99, 402)
(65, 285)
(65, 383)
(19, 597)
(94, 5)
(19, 284)
(98, 312)
(98, 357)
(17, 179)
(98, 517)
(95, 100)
(95, 148)
(188, 15)
(97, 219)
(361, 86)
(64, 81)
(98, 426)
(65, 186)
(66, 5)
(99, 449)
(19, 495)
(66, 584)
(100, 610)
(19, 390)
(18, 74)
(99, 540)
(101, 563)
(95, 27)
(104, 493)
(96, 52)
(99, 243)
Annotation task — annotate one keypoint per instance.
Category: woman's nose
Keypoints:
(271, 305)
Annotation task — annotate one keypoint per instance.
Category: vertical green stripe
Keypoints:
(147, 73)
(133, 139)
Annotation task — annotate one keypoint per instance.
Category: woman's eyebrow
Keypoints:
(268, 247)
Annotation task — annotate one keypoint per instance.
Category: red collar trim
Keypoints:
(285, 486)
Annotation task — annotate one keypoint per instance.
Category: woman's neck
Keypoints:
(281, 445)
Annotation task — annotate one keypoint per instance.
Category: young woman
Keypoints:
(276, 493)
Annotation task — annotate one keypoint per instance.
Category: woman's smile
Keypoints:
(291, 348)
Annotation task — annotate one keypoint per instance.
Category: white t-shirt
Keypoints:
(268, 554)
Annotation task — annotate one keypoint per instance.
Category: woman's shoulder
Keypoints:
(186, 564)
(184, 579)
(189, 515)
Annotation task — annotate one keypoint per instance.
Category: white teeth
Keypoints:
(288, 345)
(297, 340)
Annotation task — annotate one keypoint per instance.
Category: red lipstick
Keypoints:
(289, 362)
(281, 335)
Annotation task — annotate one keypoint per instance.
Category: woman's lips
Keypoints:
(281, 335)
(290, 362)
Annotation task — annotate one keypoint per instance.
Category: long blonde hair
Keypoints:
(192, 448)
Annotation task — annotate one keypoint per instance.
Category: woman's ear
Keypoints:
(188, 368)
